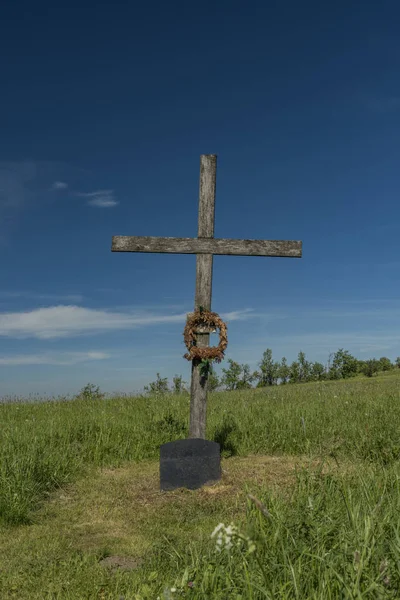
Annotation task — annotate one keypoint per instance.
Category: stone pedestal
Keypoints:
(189, 463)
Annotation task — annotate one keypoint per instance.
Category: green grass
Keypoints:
(79, 483)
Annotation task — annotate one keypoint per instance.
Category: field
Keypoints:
(311, 481)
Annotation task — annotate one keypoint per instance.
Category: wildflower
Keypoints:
(382, 569)
(356, 557)
(383, 566)
(225, 536)
(167, 593)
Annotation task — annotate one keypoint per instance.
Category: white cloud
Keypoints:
(65, 321)
(102, 198)
(28, 183)
(59, 185)
(62, 358)
(239, 315)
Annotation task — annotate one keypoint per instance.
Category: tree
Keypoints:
(317, 372)
(247, 378)
(333, 373)
(284, 371)
(304, 367)
(90, 392)
(213, 382)
(294, 375)
(269, 370)
(371, 367)
(237, 377)
(231, 376)
(360, 366)
(397, 362)
(385, 364)
(178, 385)
(329, 365)
(344, 364)
(158, 387)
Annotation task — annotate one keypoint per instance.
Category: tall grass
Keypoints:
(43, 446)
(335, 538)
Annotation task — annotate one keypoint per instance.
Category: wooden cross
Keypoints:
(204, 246)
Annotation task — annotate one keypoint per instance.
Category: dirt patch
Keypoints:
(123, 563)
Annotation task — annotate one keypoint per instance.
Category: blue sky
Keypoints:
(105, 111)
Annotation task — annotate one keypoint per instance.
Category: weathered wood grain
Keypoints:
(204, 268)
(207, 245)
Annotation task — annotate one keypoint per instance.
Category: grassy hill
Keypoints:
(310, 475)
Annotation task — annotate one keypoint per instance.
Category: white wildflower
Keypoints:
(225, 535)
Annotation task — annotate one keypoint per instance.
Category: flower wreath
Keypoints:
(204, 317)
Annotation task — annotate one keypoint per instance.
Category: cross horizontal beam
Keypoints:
(121, 243)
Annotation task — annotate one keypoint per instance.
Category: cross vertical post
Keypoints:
(204, 269)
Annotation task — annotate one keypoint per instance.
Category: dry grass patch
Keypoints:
(124, 510)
